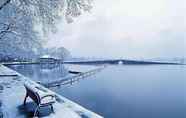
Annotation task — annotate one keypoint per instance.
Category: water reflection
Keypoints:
(133, 92)
(124, 91)
(42, 72)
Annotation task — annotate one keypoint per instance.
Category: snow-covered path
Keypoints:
(12, 93)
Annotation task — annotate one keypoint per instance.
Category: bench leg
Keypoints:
(52, 108)
(25, 99)
(36, 111)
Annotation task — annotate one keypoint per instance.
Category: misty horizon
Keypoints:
(132, 29)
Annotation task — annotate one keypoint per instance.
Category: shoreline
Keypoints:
(13, 88)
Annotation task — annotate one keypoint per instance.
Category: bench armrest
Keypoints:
(47, 99)
(47, 96)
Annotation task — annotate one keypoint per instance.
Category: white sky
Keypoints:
(127, 28)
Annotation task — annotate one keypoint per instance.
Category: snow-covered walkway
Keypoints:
(12, 93)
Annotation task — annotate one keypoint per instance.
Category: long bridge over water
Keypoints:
(117, 61)
(96, 61)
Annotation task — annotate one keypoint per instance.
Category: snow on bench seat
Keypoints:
(13, 94)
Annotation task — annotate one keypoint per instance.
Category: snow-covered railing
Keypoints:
(72, 79)
(64, 108)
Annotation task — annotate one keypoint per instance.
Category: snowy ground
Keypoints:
(12, 93)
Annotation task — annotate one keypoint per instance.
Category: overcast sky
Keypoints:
(126, 28)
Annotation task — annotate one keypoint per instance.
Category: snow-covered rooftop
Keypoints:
(12, 93)
(46, 56)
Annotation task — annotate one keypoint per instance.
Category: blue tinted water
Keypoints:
(147, 91)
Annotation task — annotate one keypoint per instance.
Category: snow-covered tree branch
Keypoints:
(4, 3)
(21, 19)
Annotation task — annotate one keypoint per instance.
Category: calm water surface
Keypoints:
(151, 91)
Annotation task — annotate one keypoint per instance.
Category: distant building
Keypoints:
(47, 59)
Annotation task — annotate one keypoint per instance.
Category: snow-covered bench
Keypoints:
(39, 95)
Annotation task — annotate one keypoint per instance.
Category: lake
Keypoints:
(122, 91)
